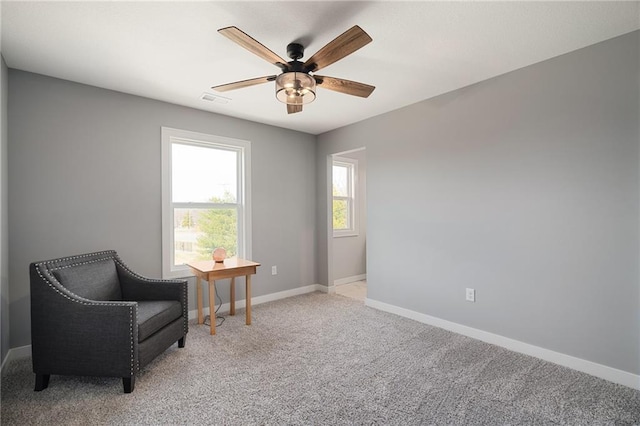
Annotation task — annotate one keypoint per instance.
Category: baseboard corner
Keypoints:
(13, 354)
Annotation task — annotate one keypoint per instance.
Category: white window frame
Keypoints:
(170, 136)
(352, 198)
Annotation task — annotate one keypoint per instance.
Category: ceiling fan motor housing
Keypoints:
(295, 51)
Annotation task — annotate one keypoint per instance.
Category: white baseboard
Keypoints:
(602, 371)
(264, 299)
(347, 280)
(15, 353)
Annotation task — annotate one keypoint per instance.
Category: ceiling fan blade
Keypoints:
(343, 45)
(254, 46)
(244, 83)
(292, 109)
(344, 86)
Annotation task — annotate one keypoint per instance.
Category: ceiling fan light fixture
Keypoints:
(295, 88)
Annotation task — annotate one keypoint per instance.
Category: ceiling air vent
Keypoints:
(210, 97)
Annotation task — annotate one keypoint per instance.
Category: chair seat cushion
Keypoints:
(154, 315)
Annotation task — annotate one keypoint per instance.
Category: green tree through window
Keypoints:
(339, 212)
(218, 228)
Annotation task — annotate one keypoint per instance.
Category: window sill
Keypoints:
(178, 273)
(345, 234)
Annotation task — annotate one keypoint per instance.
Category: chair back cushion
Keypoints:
(97, 280)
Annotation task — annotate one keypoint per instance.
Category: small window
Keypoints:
(345, 171)
(205, 198)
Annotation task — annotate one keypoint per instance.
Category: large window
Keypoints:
(345, 171)
(205, 198)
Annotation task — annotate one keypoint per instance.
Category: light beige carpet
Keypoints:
(325, 360)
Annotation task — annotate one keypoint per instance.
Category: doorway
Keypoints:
(349, 224)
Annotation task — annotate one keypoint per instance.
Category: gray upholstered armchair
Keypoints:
(92, 316)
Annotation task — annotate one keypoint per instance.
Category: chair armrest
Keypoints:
(136, 287)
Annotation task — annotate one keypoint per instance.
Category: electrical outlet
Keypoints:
(471, 295)
(274, 270)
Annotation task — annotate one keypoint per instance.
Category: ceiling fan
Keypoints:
(296, 85)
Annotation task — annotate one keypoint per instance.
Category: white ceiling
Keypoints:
(171, 51)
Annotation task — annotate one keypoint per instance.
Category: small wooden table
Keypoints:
(211, 271)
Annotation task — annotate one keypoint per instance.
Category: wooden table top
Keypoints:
(210, 265)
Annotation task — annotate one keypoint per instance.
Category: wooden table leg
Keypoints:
(248, 280)
(199, 292)
(232, 297)
(212, 305)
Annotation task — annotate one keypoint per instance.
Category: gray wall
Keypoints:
(524, 187)
(4, 215)
(349, 253)
(85, 175)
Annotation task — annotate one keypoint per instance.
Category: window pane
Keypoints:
(340, 214)
(198, 231)
(341, 181)
(202, 174)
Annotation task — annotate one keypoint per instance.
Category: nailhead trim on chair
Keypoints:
(79, 256)
(185, 311)
(71, 265)
(83, 301)
(135, 367)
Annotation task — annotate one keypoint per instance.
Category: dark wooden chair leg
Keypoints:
(182, 341)
(129, 383)
(42, 382)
